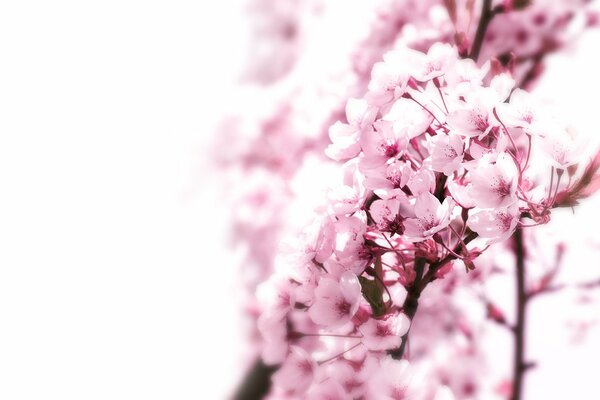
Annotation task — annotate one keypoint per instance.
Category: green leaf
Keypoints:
(373, 293)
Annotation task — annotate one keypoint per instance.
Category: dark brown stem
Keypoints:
(487, 14)
(519, 365)
(411, 304)
(256, 383)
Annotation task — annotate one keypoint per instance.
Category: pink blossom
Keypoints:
(344, 137)
(349, 242)
(431, 216)
(296, 373)
(320, 240)
(336, 302)
(459, 191)
(422, 181)
(389, 214)
(494, 184)
(522, 111)
(274, 334)
(389, 79)
(329, 389)
(392, 382)
(385, 333)
(387, 179)
(408, 118)
(381, 144)
(352, 374)
(438, 60)
(495, 224)
(446, 153)
(474, 117)
(562, 145)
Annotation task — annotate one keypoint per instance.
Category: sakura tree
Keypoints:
(444, 160)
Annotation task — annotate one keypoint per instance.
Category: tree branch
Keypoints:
(519, 365)
(487, 14)
(256, 383)
(411, 304)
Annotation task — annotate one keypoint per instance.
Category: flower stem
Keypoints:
(411, 304)
(519, 365)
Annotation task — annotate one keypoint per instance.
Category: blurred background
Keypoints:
(117, 274)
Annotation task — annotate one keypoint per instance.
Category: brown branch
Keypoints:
(411, 304)
(487, 14)
(256, 383)
(519, 364)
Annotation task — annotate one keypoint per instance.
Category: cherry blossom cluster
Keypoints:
(437, 154)
(268, 146)
(307, 74)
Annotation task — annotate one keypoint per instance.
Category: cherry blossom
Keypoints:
(431, 216)
(562, 145)
(383, 334)
(345, 137)
(496, 224)
(393, 383)
(437, 167)
(297, 372)
(389, 214)
(446, 153)
(336, 302)
(382, 144)
(494, 184)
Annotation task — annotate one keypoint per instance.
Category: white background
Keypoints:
(115, 278)
(114, 281)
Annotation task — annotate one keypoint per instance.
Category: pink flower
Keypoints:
(381, 144)
(277, 299)
(562, 145)
(389, 214)
(408, 118)
(296, 373)
(392, 381)
(430, 217)
(440, 57)
(459, 190)
(384, 334)
(422, 181)
(345, 137)
(446, 153)
(349, 240)
(522, 111)
(389, 78)
(387, 179)
(323, 245)
(474, 117)
(274, 334)
(336, 302)
(350, 379)
(494, 224)
(327, 390)
(494, 185)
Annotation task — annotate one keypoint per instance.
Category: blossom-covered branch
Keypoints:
(439, 152)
